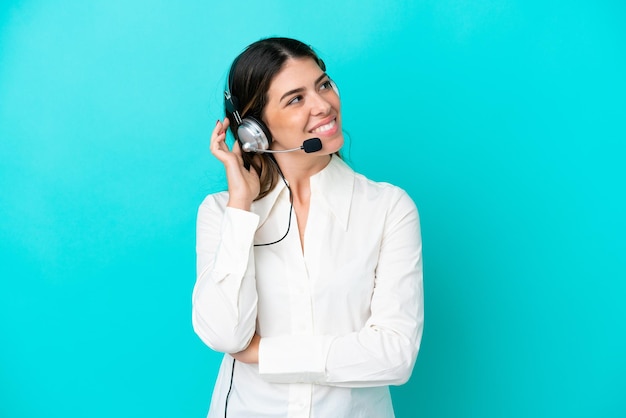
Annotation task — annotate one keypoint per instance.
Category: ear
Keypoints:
(335, 88)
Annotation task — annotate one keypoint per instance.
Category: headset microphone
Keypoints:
(310, 145)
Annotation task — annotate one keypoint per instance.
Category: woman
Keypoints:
(309, 275)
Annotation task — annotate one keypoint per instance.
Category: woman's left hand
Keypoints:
(251, 353)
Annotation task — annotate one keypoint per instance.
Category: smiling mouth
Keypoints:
(327, 127)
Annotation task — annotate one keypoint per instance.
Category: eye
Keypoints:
(326, 85)
(294, 100)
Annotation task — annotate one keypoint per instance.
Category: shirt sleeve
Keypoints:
(224, 300)
(384, 351)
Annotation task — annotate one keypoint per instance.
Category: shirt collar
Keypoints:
(333, 186)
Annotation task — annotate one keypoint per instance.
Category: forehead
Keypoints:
(296, 73)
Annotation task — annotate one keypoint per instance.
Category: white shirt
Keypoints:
(339, 321)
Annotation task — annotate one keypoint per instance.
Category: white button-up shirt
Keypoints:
(339, 321)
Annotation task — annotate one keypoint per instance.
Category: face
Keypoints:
(301, 105)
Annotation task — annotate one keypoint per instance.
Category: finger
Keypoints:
(221, 127)
(217, 144)
(218, 138)
(237, 149)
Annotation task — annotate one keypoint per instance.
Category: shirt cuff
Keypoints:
(294, 359)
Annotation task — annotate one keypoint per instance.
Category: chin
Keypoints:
(332, 145)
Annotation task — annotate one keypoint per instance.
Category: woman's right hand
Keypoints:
(243, 184)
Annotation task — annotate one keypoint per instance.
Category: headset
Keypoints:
(253, 134)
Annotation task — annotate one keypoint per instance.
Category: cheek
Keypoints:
(286, 125)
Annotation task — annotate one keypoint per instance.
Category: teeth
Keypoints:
(324, 128)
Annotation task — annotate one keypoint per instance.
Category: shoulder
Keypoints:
(388, 206)
(381, 193)
(363, 186)
(215, 199)
(214, 203)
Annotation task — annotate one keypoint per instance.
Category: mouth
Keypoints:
(325, 127)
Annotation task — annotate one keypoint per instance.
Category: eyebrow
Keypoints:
(301, 89)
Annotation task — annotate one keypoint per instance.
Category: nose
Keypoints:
(319, 105)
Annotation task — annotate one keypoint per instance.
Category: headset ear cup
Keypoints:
(266, 132)
(253, 135)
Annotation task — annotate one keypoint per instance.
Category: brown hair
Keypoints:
(249, 80)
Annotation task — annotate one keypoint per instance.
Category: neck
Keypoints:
(298, 171)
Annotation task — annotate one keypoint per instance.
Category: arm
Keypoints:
(224, 297)
(382, 352)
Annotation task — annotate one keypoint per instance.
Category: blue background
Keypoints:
(504, 120)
